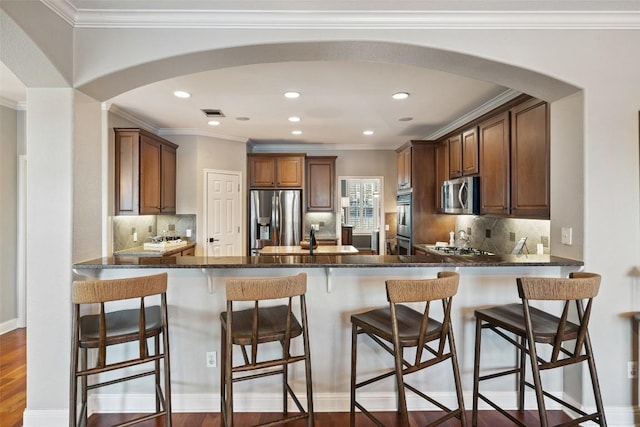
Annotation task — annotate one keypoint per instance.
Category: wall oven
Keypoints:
(404, 225)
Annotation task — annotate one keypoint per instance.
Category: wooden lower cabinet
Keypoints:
(189, 252)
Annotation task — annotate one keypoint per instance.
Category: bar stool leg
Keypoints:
(456, 377)
(537, 382)
(594, 380)
(397, 351)
(354, 355)
(476, 373)
(307, 364)
(285, 376)
(522, 373)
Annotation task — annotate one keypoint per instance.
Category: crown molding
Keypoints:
(499, 100)
(14, 105)
(401, 14)
(114, 109)
(198, 132)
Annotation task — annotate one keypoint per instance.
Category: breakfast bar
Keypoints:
(337, 287)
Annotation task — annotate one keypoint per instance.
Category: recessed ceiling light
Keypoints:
(296, 132)
(400, 95)
(405, 119)
(294, 119)
(242, 119)
(213, 122)
(182, 94)
(367, 132)
(292, 94)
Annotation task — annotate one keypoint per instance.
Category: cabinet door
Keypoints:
(442, 171)
(455, 156)
(403, 161)
(530, 160)
(262, 171)
(494, 164)
(470, 152)
(320, 183)
(289, 171)
(126, 172)
(168, 183)
(150, 153)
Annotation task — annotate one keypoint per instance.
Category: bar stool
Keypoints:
(265, 323)
(398, 327)
(529, 329)
(117, 326)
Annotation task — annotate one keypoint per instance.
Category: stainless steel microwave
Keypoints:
(461, 196)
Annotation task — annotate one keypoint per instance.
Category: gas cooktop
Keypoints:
(458, 250)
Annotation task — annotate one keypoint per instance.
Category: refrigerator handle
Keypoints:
(275, 219)
(280, 227)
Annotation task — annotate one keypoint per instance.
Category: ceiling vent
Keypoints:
(212, 113)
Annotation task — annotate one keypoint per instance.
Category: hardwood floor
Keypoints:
(13, 377)
(13, 400)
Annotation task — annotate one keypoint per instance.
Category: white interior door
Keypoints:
(222, 214)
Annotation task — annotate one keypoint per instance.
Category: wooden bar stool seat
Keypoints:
(110, 327)
(264, 323)
(399, 327)
(530, 329)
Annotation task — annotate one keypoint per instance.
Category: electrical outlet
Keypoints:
(487, 233)
(188, 232)
(545, 241)
(632, 370)
(211, 359)
(469, 231)
(512, 236)
(567, 238)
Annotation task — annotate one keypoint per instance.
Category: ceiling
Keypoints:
(339, 99)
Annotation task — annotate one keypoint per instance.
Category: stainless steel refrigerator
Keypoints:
(275, 218)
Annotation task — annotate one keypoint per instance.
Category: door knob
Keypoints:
(213, 239)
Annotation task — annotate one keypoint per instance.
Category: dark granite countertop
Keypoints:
(336, 261)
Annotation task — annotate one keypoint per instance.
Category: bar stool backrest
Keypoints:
(266, 288)
(579, 286)
(445, 286)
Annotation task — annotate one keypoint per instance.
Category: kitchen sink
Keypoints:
(165, 246)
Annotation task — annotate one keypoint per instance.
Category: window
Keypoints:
(364, 203)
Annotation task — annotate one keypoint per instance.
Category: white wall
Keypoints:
(8, 216)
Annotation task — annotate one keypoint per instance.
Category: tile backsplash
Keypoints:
(148, 226)
(499, 235)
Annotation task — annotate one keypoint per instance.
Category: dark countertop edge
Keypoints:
(324, 261)
(140, 251)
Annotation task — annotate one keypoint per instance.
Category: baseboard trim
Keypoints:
(619, 416)
(8, 326)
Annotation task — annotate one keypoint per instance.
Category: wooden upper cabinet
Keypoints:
(455, 156)
(321, 182)
(494, 164)
(289, 171)
(470, 152)
(145, 173)
(403, 163)
(515, 162)
(442, 170)
(463, 154)
(530, 160)
(276, 170)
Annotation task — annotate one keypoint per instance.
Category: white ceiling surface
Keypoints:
(340, 99)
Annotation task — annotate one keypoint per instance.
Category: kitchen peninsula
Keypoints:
(338, 286)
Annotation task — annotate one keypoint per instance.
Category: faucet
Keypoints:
(312, 240)
(463, 237)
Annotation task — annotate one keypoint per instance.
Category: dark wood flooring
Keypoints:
(13, 393)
